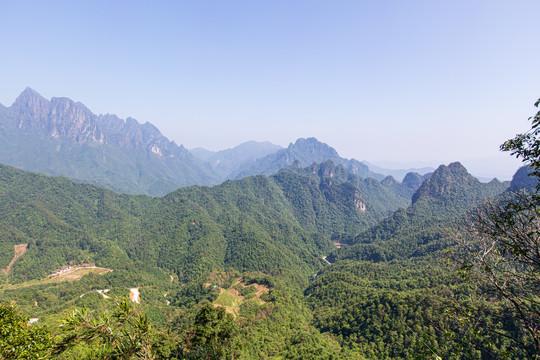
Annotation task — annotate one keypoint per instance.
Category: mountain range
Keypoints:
(271, 230)
(289, 215)
(63, 137)
(312, 255)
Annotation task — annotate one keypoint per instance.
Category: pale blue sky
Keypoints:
(434, 81)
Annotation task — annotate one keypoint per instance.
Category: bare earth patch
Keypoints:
(134, 295)
(230, 299)
(261, 289)
(74, 274)
(337, 244)
(102, 293)
(77, 272)
(20, 249)
(234, 292)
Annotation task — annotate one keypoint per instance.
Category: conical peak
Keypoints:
(30, 97)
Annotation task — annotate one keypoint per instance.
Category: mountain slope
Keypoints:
(279, 225)
(388, 294)
(257, 223)
(419, 229)
(61, 137)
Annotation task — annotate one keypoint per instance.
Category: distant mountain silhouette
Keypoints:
(225, 162)
(306, 152)
(63, 137)
(399, 174)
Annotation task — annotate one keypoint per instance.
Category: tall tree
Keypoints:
(500, 253)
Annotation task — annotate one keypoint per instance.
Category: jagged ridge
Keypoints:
(63, 137)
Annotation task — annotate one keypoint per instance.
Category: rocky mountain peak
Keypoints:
(444, 180)
(454, 172)
(61, 136)
(63, 107)
(63, 118)
(30, 104)
(458, 169)
(313, 146)
(29, 96)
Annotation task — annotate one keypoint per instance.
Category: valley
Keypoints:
(269, 180)
(253, 252)
(250, 247)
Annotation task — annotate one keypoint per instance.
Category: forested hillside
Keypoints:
(386, 294)
(389, 292)
(259, 223)
(421, 229)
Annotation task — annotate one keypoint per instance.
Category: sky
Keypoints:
(416, 82)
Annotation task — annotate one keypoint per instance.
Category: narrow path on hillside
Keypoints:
(324, 258)
(19, 251)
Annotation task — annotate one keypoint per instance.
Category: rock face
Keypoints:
(62, 118)
(63, 137)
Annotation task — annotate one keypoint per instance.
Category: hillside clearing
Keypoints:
(76, 273)
(231, 299)
(20, 249)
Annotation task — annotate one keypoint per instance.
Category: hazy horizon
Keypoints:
(416, 81)
(501, 166)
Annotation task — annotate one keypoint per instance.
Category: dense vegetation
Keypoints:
(387, 294)
(422, 228)
(259, 223)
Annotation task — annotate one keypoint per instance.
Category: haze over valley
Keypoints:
(281, 180)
